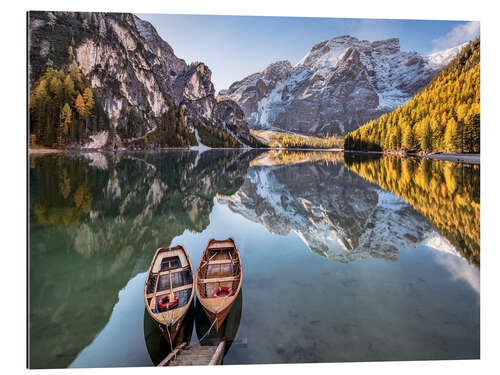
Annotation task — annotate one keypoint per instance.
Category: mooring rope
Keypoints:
(170, 341)
(206, 333)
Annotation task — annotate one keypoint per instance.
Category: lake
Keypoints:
(346, 257)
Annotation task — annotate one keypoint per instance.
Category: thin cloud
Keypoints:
(460, 270)
(458, 35)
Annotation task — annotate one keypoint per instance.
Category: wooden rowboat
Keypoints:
(169, 289)
(218, 279)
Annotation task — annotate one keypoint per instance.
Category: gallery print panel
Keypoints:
(200, 194)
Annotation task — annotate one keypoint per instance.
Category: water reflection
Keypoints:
(227, 332)
(446, 193)
(65, 196)
(93, 228)
(157, 346)
(96, 220)
(338, 214)
(344, 217)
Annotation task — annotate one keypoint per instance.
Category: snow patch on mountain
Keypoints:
(442, 58)
(200, 147)
(338, 85)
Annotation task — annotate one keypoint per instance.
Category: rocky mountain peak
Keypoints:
(350, 58)
(387, 46)
(134, 73)
(159, 47)
(194, 83)
(340, 84)
(277, 69)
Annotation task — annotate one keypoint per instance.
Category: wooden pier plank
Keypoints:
(171, 355)
(219, 353)
(185, 355)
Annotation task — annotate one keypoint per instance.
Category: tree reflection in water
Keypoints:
(446, 193)
(95, 222)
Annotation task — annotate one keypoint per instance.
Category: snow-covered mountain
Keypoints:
(337, 86)
(335, 212)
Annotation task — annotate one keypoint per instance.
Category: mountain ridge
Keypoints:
(339, 84)
(134, 74)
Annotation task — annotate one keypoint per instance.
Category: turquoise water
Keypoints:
(335, 267)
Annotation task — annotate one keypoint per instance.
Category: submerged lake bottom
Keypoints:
(345, 257)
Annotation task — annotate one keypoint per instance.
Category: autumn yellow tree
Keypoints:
(444, 115)
(64, 123)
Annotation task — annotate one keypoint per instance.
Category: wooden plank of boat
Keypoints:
(169, 264)
(218, 279)
(220, 266)
(163, 292)
(223, 261)
(226, 244)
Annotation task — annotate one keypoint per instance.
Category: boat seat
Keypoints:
(223, 261)
(221, 245)
(219, 279)
(174, 270)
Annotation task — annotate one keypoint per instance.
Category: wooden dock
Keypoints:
(185, 355)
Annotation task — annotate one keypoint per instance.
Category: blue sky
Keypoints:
(236, 46)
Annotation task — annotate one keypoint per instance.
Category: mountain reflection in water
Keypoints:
(97, 218)
(95, 222)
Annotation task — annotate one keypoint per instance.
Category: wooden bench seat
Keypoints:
(219, 279)
(174, 271)
(221, 245)
(167, 291)
(223, 261)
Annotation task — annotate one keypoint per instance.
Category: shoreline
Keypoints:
(457, 158)
(453, 157)
(44, 150)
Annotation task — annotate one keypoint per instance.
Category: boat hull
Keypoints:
(169, 321)
(218, 254)
(220, 315)
(171, 332)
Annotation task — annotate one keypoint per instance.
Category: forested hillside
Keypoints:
(63, 109)
(290, 140)
(444, 116)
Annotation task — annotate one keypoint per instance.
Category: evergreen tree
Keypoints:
(451, 135)
(409, 138)
(426, 139)
(68, 88)
(88, 99)
(65, 123)
(57, 108)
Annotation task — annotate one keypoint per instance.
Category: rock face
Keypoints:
(338, 85)
(133, 72)
(195, 91)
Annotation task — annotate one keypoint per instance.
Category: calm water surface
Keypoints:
(346, 257)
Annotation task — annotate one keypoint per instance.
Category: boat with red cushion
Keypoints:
(169, 289)
(218, 279)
